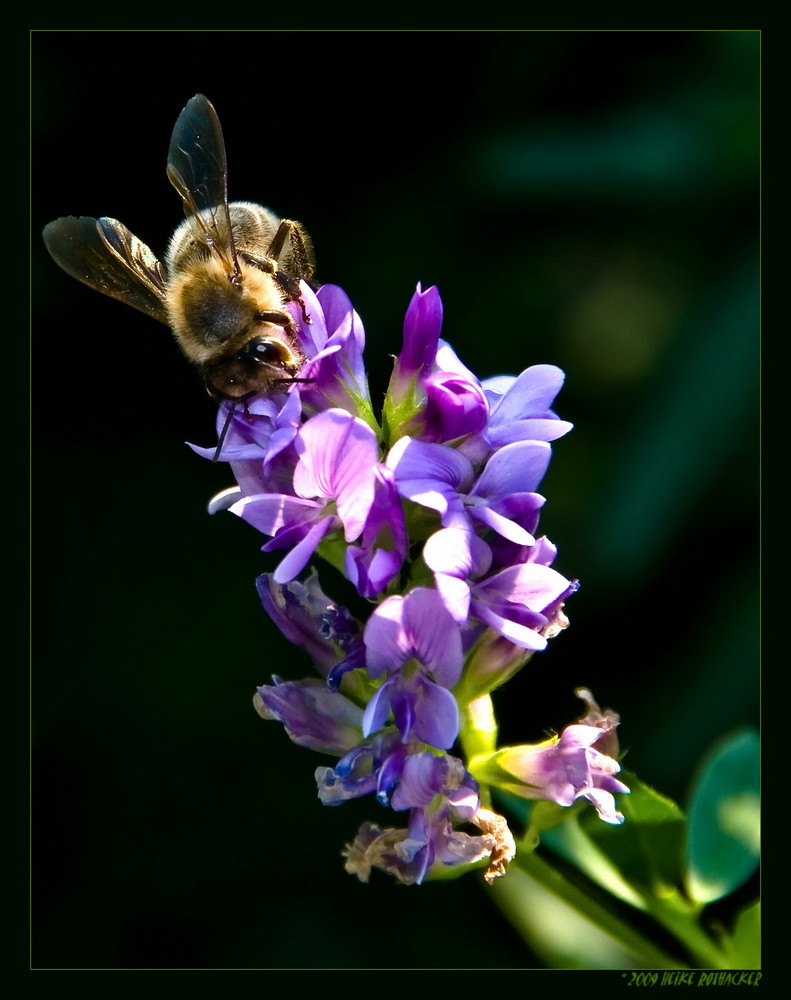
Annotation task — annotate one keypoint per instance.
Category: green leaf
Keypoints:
(723, 841)
(744, 947)
(648, 848)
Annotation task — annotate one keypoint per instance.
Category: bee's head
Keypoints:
(264, 364)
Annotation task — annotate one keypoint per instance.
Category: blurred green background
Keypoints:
(588, 199)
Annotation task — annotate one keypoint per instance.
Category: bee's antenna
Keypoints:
(224, 430)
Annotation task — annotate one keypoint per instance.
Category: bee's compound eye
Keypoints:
(265, 351)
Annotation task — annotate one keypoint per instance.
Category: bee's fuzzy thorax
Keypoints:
(212, 316)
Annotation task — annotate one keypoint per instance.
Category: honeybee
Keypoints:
(229, 271)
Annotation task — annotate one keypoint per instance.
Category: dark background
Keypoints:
(584, 199)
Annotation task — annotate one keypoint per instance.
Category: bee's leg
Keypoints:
(291, 381)
(277, 317)
(288, 285)
(300, 266)
(290, 288)
(301, 263)
(266, 264)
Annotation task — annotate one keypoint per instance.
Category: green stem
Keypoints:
(645, 951)
(684, 925)
(478, 734)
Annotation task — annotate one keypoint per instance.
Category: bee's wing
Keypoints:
(104, 254)
(198, 170)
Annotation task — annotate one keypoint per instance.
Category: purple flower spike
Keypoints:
(440, 486)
